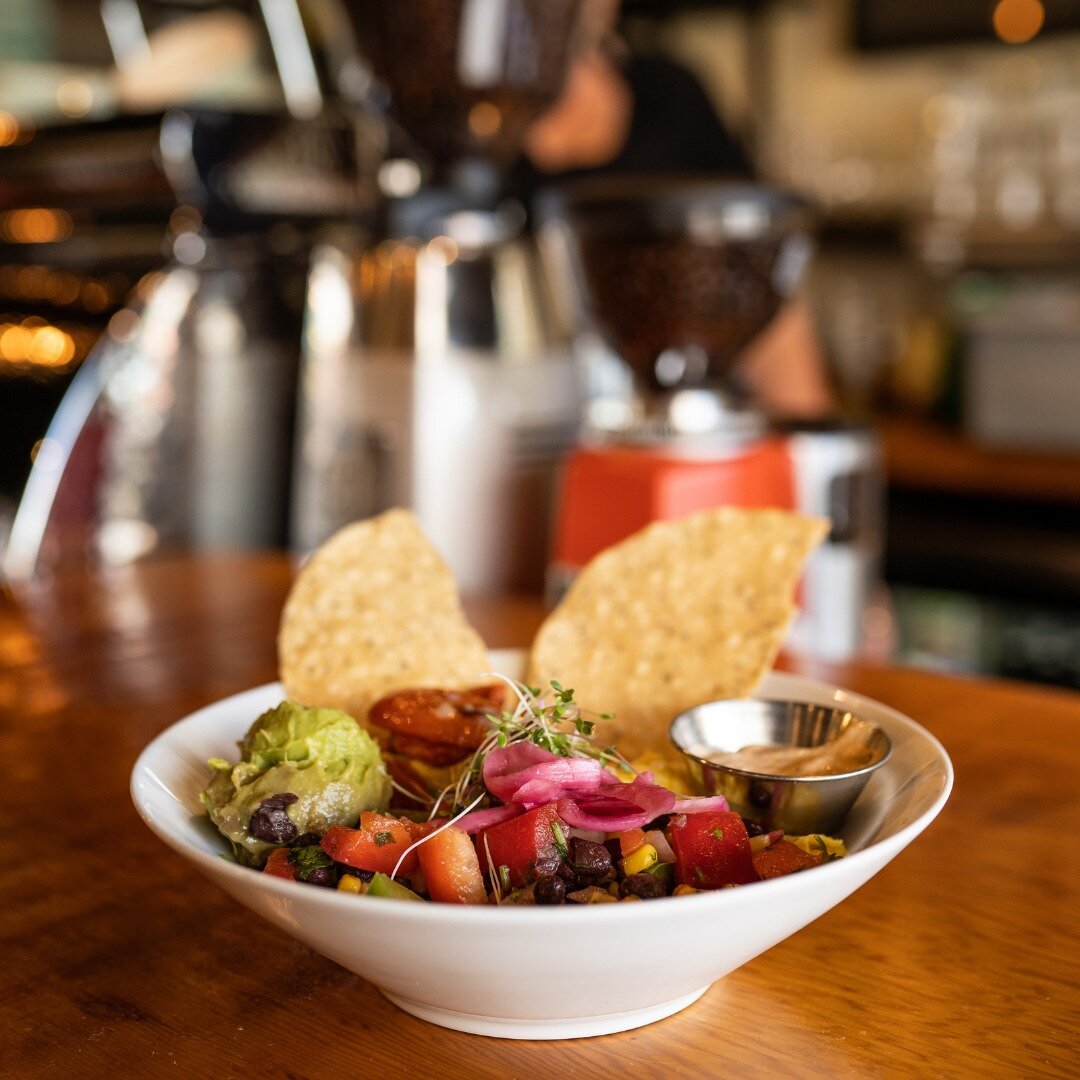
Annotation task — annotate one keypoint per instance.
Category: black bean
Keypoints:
(355, 871)
(590, 860)
(549, 890)
(753, 828)
(308, 839)
(646, 886)
(566, 872)
(271, 823)
(278, 802)
(321, 875)
(614, 849)
(547, 864)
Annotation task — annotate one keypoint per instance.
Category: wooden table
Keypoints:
(959, 959)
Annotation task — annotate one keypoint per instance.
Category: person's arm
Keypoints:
(785, 367)
(587, 127)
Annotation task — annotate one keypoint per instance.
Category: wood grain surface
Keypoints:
(959, 959)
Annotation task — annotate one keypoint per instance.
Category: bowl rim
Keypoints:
(750, 774)
(246, 879)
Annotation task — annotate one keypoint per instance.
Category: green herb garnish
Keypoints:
(560, 840)
(504, 878)
(664, 871)
(384, 838)
(826, 855)
(309, 859)
(551, 719)
(718, 833)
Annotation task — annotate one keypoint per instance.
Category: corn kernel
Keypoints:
(631, 896)
(684, 890)
(639, 861)
(759, 843)
(613, 888)
(350, 883)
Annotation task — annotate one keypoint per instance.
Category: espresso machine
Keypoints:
(436, 371)
(176, 430)
(672, 279)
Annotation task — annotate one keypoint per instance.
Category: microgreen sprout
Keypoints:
(402, 790)
(423, 839)
(491, 871)
(551, 719)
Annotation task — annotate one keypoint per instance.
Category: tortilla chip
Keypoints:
(678, 614)
(373, 611)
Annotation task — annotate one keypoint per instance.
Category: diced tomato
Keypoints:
(631, 840)
(451, 868)
(422, 828)
(519, 842)
(781, 858)
(376, 845)
(712, 849)
(280, 865)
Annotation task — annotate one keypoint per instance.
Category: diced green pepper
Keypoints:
(664, 871)
(382, 885)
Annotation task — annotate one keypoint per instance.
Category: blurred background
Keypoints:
(547, 270)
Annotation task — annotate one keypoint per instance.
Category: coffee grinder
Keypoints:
(436, 372)
(679, 277)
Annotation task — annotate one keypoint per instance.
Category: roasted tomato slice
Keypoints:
(431, 753)
(454, 718)
(402, 773)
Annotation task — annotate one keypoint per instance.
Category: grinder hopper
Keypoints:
(680, 276)
(467, 77)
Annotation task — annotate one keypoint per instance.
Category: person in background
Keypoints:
(629, 114)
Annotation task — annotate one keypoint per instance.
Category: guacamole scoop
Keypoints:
(321, 756)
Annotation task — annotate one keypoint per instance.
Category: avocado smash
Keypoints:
(320, 756)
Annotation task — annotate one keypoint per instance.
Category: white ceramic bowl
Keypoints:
(539, 972)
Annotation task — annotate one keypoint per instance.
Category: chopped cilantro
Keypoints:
(384, 838)
(560, 840)
(826, 855)
(309, 859)
(718, 833)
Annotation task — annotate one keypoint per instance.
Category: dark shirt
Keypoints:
(673, 129)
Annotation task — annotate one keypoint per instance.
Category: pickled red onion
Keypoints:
(699, 804)
(524, 776)
(483, 819)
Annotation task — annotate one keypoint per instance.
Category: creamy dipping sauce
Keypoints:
(849, 751)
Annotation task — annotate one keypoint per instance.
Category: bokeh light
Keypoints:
(1018, 21)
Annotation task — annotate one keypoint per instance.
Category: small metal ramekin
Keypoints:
(796, 804)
